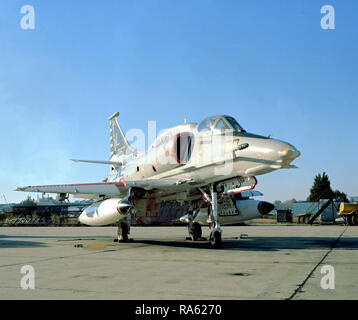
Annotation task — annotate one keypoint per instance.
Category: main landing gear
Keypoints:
(124, 230)
(194, 229)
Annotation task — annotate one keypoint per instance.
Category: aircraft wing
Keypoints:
(106, 188)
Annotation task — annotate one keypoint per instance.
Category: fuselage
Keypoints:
(191, 156)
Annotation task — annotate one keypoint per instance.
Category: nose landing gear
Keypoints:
(215, 235)
(194, 228)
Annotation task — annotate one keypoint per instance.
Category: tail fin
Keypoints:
(119, 143)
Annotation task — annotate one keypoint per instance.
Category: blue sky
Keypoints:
(267, 63)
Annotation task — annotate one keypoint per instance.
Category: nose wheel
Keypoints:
(215, 238)
(213, 217)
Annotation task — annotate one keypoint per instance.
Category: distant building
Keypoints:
(49, 214)
(329, 214)
(354, 199)
(284, 215)
(6, 207)
(304, 207)
(42, 211)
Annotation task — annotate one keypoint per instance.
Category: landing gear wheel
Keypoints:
(195, 231)
(215, 239)
(123, 232)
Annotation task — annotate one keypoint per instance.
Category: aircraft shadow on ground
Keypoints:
(59, 237)
(6, 244)
(7, 241)
(264, 243)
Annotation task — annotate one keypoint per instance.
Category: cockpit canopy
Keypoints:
(219, 122)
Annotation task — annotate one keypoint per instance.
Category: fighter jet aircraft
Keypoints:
(209, 167)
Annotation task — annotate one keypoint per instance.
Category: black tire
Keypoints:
(215, 239)
(349, 220)
(124, 229)
(196, 232)
(355, 219)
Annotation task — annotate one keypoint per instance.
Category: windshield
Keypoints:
(234, 123)
(221, 122)
(207, 123)
(222, 125)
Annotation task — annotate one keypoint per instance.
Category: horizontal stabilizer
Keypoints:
(115, 163)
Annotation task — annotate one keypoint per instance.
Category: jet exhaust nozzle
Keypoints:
(124, 206)
(265, 207)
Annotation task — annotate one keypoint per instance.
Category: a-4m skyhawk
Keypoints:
(209, 167)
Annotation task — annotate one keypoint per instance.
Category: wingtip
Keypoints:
(20, 188)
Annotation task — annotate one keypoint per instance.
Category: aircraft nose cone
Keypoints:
(265, 207)
(81, 218)
(289, 152)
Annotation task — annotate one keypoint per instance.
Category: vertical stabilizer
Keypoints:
(119, 143)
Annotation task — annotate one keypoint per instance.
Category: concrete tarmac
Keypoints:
(271, 262)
